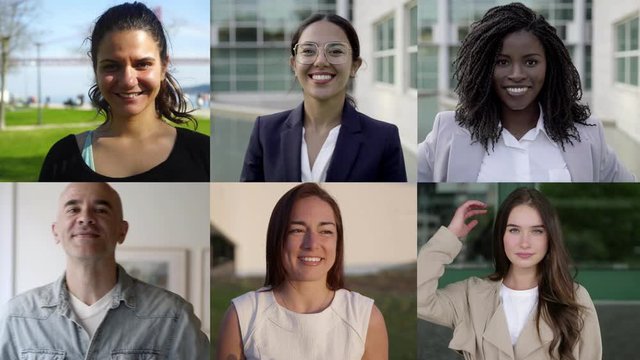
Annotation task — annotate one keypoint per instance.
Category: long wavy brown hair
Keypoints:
(557, 304)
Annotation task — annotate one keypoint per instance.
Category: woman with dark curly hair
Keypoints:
(138, 98)
(530, 307)
(518, 117)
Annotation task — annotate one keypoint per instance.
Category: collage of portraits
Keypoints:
(201, 199)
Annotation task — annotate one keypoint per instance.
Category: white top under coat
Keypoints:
(533, 158)
(518, 305)
(321, 165)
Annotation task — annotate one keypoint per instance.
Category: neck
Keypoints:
(322, 114)
(518, 122)
(521, 279)
(90, 281)
(304, 297)
(135, 126)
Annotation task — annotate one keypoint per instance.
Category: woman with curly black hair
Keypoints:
(518, 116)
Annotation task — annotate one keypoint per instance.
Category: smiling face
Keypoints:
(89, 224)
(129, 72)
(323, 80)
(519, 71)
(311, 240)
(525, 238)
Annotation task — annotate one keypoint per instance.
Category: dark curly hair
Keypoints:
(170, 102)
(478, 109)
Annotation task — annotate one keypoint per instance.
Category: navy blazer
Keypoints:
(366, 149)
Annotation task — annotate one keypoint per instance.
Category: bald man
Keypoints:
(95, 310)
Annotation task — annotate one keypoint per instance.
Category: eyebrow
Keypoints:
(534, 226)
(109, 60)
(299, 222)
(97, 202)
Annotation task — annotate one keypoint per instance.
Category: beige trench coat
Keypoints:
(473, 308)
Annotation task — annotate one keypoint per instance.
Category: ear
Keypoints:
(124, 228)
(355, 66)
(55, 233)
(292, 64)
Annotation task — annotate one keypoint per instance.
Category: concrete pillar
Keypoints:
(443, 27)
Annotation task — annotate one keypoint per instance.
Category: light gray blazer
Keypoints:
(447, 155)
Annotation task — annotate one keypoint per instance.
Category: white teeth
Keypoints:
(517, 90)
(310, 259)
(130, 95)
(321, 77)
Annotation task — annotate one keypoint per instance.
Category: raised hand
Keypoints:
(469, 208)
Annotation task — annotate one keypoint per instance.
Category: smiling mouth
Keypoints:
(524, 255)
(310, 260)
(321, 77)
(130, 95)
(517, 91)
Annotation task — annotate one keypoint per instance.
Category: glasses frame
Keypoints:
(324, 51)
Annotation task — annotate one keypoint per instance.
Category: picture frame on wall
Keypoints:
(206, 290)
(165, 268)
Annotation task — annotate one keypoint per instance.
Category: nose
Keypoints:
(525, 241)
(321, 59)
(310, 240)
(517, 73)
(86, 218)
(129, 76)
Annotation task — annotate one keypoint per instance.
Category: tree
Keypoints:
(14, 22)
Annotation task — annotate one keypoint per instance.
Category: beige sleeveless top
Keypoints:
(270, 331)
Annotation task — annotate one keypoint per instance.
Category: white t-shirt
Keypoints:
(270, 331)
(533, 158)
(517, 305)
(91, 316)
(321, 165)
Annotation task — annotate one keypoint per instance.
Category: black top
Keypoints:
(188, 161)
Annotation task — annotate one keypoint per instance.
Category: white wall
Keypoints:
(160, 216)
(7, 191)
(379, 222)
(617, 102)
(397, 103)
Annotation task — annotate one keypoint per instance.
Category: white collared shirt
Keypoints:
(321, 165)
(533, 158)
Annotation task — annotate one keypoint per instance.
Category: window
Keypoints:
(384, 56)
(627, 51)
(412, 46)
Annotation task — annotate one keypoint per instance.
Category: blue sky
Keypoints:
(62, 26)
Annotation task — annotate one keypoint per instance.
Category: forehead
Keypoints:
(314, 207)
(323, 32)
(524, 215)
(91, 192)
(127, 41)
(521, 43)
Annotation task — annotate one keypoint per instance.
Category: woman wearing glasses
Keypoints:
(299, 144)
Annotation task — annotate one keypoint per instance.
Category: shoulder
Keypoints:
(30, 303)
(370, 124)
(65, 146)
(152, 300)
(445, 121)
(475, 287)
(253, 301)
(192, 137)
(582, 296)
(592, 129)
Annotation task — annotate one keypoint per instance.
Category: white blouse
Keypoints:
(518, 306)
(319, 171)
(270, 331)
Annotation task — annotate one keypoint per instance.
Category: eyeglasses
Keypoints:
(335, 52)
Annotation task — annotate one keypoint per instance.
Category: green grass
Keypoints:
(22, 152)
(394, 293)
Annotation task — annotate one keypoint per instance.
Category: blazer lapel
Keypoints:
(291, 143)
(467, 156)
(529, 342)
(579, 161)
(347, 146)
(497, 333)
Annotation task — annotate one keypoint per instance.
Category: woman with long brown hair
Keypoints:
(303, 311)
(530, 307)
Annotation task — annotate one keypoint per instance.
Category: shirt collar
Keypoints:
(531, 135)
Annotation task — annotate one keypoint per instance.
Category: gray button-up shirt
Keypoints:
(143, 322)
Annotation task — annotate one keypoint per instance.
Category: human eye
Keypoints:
(538, 231)
(307, 50)
(336, 49)
(102, 210)
(513, 230)
(502, 62)
(109, 67)
(531, 62)
(296, 230)
(72, 210)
